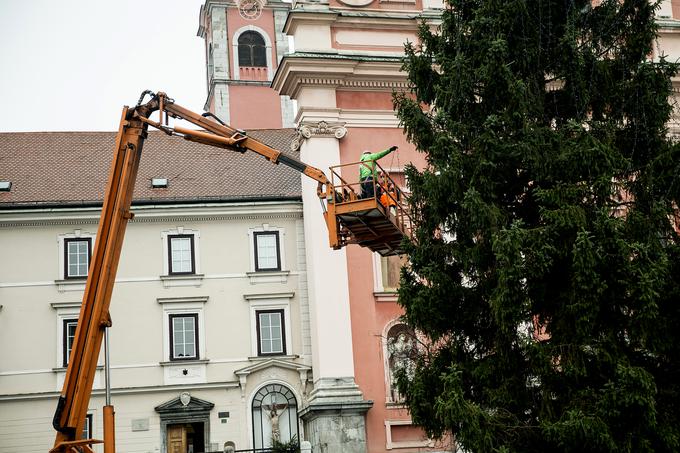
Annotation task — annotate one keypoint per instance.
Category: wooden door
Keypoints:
(177, 439)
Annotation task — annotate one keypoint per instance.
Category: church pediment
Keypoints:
(184, 404)
(303, 371)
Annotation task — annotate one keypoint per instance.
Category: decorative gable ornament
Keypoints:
(185, 398)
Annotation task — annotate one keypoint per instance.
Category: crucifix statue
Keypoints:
(272, 412)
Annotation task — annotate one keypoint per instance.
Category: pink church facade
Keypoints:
(339, 61)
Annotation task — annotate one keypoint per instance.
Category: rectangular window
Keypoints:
(76, 257)
(390, 268)
(267, 256)
(87, 430)
(69, 335)
(181, 254)
(271, 337)
(184, 337)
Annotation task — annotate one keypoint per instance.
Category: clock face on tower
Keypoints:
(250, 9)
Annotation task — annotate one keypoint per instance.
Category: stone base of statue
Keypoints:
(335, 417)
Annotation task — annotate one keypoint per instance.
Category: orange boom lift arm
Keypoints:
(349, 218)
(69, 418)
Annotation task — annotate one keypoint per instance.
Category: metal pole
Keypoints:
(109, 413)
(107, 370)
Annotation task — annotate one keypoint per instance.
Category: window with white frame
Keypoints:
(252, 49)
(66, 322)
(183, 336)
(267, 251)
(87, 429)
(253, 56)
(390, 267)
(271, 332)
(77, 252)
(69, 333)
(183, 328)
(389, 272)
(270, 324)
(181, 254)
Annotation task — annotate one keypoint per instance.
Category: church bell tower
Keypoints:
(244, 43)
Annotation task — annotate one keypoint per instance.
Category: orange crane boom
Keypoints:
(94, 318)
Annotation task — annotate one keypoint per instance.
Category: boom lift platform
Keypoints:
(379, 226)
(378, 222)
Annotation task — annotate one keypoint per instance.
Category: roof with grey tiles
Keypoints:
(71, 168)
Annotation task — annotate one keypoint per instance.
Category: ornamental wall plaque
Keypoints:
(185, 398)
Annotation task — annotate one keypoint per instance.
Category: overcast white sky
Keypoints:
(71, 65)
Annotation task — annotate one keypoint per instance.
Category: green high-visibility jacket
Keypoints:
(368, 167)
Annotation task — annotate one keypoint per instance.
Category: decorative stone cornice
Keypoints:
(320, 129)
(62, 305)
(376, 84)
(186, 213)
(372, 84)
(217, 385)
(314, 13)
(260, 296)
(171, 300)
(176, 218)
(355, 72)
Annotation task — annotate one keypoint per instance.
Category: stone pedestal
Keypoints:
(335, 418)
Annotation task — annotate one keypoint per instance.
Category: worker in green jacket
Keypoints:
(367, 171)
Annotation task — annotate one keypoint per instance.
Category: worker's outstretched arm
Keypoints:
(379, 154)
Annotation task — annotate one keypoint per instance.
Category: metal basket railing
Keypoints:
(391, 198)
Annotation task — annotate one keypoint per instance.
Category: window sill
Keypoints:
(184, 362)
(264, 358)
(395, 405)
(71, 284)
(182, 280)
(386, 296)
(268, 277)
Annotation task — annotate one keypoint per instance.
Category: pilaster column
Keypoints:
(335, 415)
(326, 268)
(218, 74)
(282, 48)
(219, 39)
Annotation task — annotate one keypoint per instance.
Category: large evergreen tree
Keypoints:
(544, 273)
